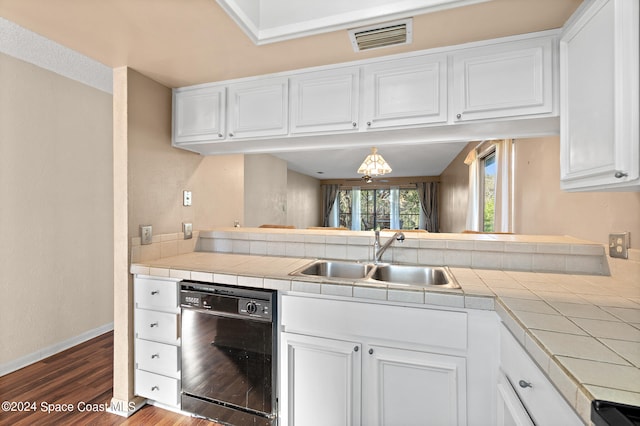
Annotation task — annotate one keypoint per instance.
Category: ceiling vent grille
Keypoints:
(382, 35)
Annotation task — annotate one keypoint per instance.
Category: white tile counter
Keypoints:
(582, 330)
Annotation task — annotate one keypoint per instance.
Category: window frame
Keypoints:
(489, 152)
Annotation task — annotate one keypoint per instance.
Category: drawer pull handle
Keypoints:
(355, 348)
(154, 356)
(524, 384)
(153, 324)
(370, 351)
(620, 175)
(155, 388)
(154, 292)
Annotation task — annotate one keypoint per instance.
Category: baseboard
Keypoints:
(34, 357)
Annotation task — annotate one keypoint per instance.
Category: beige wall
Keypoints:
(265, 190)
(159, 173)
(303, 200)
(454, 191)
(542, 208)
(56, 216)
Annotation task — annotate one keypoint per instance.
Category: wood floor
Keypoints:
(78, 377)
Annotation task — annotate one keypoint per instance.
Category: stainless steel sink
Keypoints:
(336, 269)
(427, 276)
(439, 276)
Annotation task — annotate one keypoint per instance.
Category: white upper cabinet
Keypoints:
(501, 80)
(489, 81)
(325, 101)
(599, 144)
(258, 108)
(198, 114)
(408, 91)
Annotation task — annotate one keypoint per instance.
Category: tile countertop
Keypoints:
(582, 330)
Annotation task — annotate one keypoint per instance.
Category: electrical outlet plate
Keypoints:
(187, 229)
(619, 245)
(146, 234)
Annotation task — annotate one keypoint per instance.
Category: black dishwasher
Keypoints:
(229, 353)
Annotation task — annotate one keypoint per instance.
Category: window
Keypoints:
(490, 207)
(380, 208)
(488, 174)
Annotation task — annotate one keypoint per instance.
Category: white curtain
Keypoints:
(473, 209)
(504, 184)
(394, 208)
(334, 215)
(355, 209)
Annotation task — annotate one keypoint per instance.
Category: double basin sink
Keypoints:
(384, 273)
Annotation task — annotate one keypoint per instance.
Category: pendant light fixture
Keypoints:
(373, 165)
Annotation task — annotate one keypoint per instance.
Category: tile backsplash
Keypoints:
(162, 245)
(512, 252)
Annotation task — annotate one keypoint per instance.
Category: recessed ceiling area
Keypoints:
(405, 160)
(269, 21)
(180, 43)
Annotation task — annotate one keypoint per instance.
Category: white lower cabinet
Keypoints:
(526, 396)
(320, 380)
(511, 412)
(365, 363)
(406, 387)
(157, 339)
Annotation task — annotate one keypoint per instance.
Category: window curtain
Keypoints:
(394, 207)
(504, 184)
(428, 195)
(329, 196)
(356, 220)
(473, 209)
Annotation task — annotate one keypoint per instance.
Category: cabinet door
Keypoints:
(198, 114)
(258, 108)
(320, 381)
(511, 412)
(599, 144)
(406, 387)
(325, 101)
(504, 80)
(406, 92)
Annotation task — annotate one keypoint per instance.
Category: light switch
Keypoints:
(186, 198)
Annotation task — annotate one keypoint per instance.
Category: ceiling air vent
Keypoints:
(382, 35)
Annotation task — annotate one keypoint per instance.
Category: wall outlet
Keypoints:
(619, 245)
(146, 234)
(187, 229)
(186, 198)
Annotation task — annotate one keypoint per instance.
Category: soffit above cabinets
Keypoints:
(269, 21)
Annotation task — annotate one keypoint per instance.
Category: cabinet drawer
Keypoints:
(157, 387)
(154, 325)
(541, 399)
(437, 328)
(155, 294)
(157, 358)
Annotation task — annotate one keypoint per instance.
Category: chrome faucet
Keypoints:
(379, 250)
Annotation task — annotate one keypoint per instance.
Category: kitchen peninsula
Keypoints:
(579, 329)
